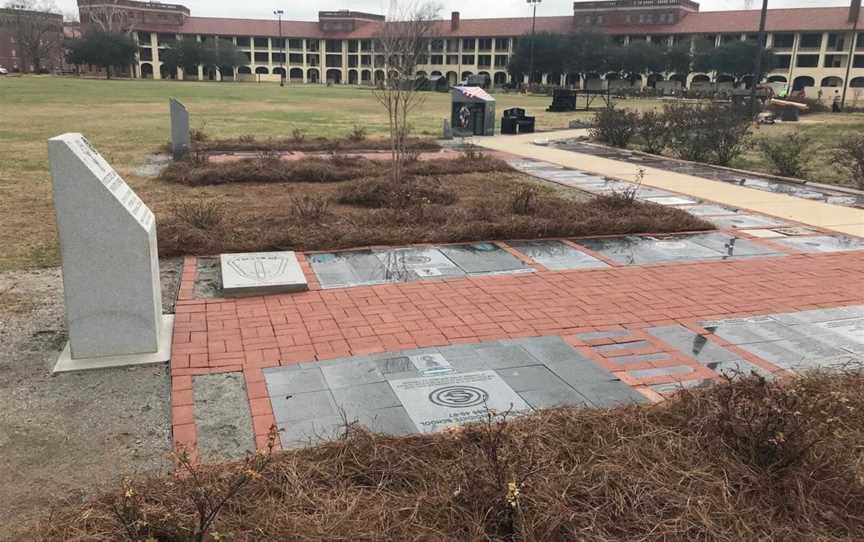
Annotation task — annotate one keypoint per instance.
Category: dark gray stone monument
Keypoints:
(181, 141)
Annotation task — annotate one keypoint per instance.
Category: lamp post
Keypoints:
(760, 51)
(533, 28)
(278, 13)
(854, 15)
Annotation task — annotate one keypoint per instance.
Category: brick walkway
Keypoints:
(250, 334)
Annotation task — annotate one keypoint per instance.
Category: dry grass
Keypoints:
(319, 144)
(266, 167)
(260, 216)
(745, 461)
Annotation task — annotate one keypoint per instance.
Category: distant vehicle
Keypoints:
(3, 71)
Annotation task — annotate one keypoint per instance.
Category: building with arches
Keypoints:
(813, 46)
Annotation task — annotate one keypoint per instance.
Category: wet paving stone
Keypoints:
(743, 221)
(556, 256)
(824, 243)
(483, 258)
(730, 246)
(710, 210)
(637, 250)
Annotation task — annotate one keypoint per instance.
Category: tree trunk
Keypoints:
(107, 72)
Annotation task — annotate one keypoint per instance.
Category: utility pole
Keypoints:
(760, 51)
(278, 13)
(854, 15)
(533, 28)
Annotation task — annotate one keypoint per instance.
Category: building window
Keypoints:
(452, 60)
(313, 45)
(808, 61)
(144, 37)
(468, 44)
(811, 41)
(484, 61)
(295, 58)
(782, 62)
(262, 58)
(334, 61)
(278, 43)
(502, 44)
(145, 54)
(278, 58)
(243, 42)
(835, 61)
(365, 45)
(437, 45)
(352, 61)
(784, 41)
(485, 44)
(334, 46)
(437, 60)
(836, 42)
(262, 43)
(858, 62)
(860, 43)
(501, 61)
(452, 45)
(353, 46)
(164, 39)
(468, 59)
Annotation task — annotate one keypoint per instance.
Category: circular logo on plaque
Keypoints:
(459, 396)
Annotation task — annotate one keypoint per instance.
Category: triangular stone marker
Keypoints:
(108, 244)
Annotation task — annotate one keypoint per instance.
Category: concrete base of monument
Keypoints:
(65, 363)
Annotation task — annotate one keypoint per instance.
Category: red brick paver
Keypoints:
(250, 334)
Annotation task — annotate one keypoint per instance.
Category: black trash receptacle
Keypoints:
(509, 126)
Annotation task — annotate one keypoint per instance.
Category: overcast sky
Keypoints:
(477, 8)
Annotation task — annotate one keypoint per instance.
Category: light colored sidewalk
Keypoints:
(844, 220)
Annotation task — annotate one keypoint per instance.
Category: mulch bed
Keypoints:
(751, 460)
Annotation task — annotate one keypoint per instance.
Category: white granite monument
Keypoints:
(181, 141)
(110, 263)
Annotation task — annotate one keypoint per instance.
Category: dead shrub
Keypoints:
(358, 133)
(267, 158)
(246, 139)
(298, 135)
(309, 208)
(787, 155)
(524, 200)
(849, 157)
(381, 193)
(197, 213)
(615, 126)
(198, 135)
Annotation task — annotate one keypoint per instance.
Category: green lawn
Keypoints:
(127, 120)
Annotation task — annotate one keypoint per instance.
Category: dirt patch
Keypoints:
(69, 436)
(262, 217)
(751, 460)
(222, 417)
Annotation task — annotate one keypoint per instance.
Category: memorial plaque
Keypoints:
(436, 403)
(261, 272)
(671, 200)
(110, 262)
(431, 364)
(181, 141)
(556, 256)
(418, 263)
(482, 258)
(824, 243)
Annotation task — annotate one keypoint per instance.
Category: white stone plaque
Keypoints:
(262, 272)
(440, 402)
(431, 364)
(110, 262)
(181, 140)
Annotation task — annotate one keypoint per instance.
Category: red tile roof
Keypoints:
(709, 22)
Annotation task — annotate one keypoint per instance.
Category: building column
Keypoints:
(157, 64)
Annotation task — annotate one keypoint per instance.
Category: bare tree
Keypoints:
(37, 30)
(403, 41)
(110, 16)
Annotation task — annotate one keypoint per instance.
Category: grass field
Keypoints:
(127, 120)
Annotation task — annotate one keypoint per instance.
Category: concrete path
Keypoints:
(840, 219)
